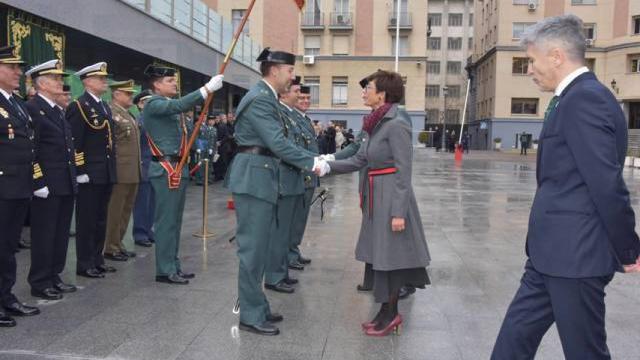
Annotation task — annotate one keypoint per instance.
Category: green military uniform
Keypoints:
(207, 145)
(167, 129)
(301, 212)
(253, 180)
(290, 194)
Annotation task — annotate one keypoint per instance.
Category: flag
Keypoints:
(300, 4)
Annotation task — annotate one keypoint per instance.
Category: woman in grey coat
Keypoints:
(391, 234)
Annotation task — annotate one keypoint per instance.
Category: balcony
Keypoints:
(341, 21)
(312, 21)
(404, 18)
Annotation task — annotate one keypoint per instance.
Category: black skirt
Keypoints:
(386, 283)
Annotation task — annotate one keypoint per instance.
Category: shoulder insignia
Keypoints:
(4, 113)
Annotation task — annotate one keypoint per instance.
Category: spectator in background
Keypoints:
(339, 137)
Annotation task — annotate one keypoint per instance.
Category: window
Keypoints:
(433, 43)
(455, 19)
(470, 43)
(341, 6)
(314, 86)
(403, 49)
(312, 45)
(340, 45)
(236, 19)
(583, 2)
(435, 19)
(433, 91)
(634, 60)
(521, 2)
(433, 67)
(470, 19)
(453, 116)
(340, 91)
(454, 43)
(524, 106)
(454, 67)
(454, 91)
(433, 115)
(591, 64)
(519, 28)
(636, 25)
(589, 31)
(520, 65)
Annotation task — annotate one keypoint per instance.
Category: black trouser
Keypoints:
(50, 223)
(523, 149)
(91, 224)
(367, 281)
(12, 215)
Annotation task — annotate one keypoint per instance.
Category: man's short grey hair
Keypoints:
(37, 82)
(564, 31)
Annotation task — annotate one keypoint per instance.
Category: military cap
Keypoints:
(9, 55)
(51, 67)
(278, 57)
(66, 88)
(143, 95)
(126, 86)
(97, 69)
(158, 71)
(304, 89)
(296, 81)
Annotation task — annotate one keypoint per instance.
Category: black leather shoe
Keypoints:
(364, 288)
(303, 260)
(105, 269)
(185, 275)
(173, 279)
(6, 320)
(19, 309)
(116, 256)
(47, 294)
(129, 254)
(65, 288)
(91, 273)
(153, 241)
(295, 265)
(274, 318)
(24, 244)
(144, 243)
(406, 291)
(262, 329)
(290, 281)
(280, 287)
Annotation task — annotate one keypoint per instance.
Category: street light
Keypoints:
(445, 92)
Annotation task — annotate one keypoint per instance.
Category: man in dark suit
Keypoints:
(92, 126)
(16, 174)
(581, 227)
(54, 181)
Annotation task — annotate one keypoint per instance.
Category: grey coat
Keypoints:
(388, 146)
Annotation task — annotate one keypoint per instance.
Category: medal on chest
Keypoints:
(11, 133)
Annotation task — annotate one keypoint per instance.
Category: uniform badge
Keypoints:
(4, 113)
(11, 134)
(95, 122)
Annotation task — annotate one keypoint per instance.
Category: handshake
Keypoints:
(321, 166)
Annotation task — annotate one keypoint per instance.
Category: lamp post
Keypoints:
(445, 92)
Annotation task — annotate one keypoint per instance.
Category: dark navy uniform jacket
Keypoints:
(54, 150)
(92, 127)
(16, 151)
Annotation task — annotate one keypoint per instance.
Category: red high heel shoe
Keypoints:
(368, 325)
(394, 326)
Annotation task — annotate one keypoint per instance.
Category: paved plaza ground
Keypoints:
(475, 218)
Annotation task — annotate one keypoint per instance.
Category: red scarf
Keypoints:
(370, 121)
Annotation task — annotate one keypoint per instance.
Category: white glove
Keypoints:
(328, 157)
(42, 192)
(324, 168)
(198, 151)
(214, 84)
(210, 151)
(82, 179)
(216, 157)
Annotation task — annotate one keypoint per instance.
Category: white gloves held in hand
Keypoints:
(214, 84)
(82, 179)
(320, 166)
(42, 193)
(328, 157)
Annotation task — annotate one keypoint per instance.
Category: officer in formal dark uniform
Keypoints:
(92, 126)
(253, 180)
(54, 181)
(16, 180)
(143, 209)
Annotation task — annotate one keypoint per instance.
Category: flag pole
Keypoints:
(397, 33)
(207, 103)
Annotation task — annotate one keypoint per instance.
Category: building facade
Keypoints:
(507, 103)
(339, 42)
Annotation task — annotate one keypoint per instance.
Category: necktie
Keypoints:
(15, 104)
(552, 105)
